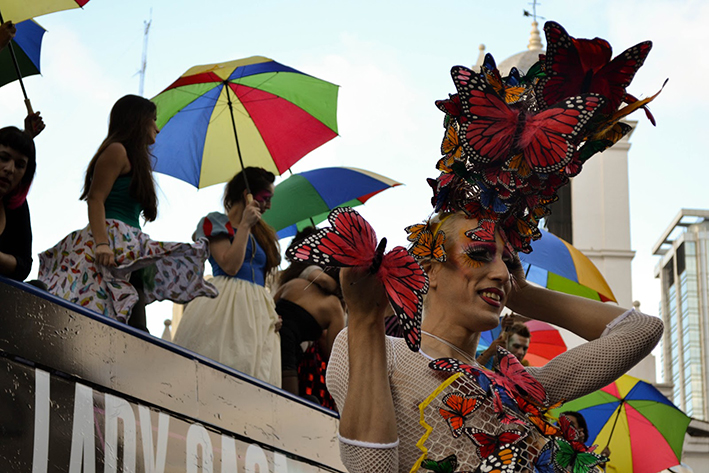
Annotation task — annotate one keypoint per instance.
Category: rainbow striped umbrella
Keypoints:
(27, 45)
(21, 10)
(217, 119)
(556, 265)
(306, 198)
(18, 11)
(643, 429)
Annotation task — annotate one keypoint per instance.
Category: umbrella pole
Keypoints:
(236, 137)
(17, 71)
(620, 407)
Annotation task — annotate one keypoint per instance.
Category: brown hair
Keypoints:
(259, 179)
(519, 328)
(129, 124)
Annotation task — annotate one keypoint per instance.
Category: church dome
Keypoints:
(525, 59)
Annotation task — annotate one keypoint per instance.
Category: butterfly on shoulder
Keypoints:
(576, 66)
(457, 408)
(352, 242)
(494, 131)
(509, 372)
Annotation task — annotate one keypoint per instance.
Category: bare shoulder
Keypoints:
(114, 156)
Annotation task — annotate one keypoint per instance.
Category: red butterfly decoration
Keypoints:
(485, 231)
(352, 242)
(458, 408)
(487, 444)
(512, 375)
(495, 131)
(572, 435)
(577, 66)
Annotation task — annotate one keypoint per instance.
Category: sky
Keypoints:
(392, 60)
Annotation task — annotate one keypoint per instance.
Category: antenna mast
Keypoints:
(144, 61)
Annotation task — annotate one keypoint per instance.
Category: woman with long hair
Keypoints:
(111, 266)
(239, 327)
(17, 168)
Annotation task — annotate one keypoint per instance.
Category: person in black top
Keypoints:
(17, 168)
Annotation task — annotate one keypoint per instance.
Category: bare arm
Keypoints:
(585, 317)
(110, 164)
(368, 413)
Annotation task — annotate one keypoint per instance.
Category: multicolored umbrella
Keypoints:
(306, 198)
(555, 264)
(18, 11)
(21, 10)
(26, 44)
(218, 118)
(545, 344)
(642, 428)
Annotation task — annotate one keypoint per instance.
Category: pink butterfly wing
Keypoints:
(405, 283)
(350, 242)
(517, 379)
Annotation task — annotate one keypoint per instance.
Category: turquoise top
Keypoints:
(120, 205)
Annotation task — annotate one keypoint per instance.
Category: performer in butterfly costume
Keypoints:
(435, 409)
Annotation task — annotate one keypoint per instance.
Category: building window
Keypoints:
(560, 222)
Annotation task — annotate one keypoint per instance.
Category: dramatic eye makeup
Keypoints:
(476, 254)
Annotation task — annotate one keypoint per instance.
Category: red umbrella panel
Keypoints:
(545, 344)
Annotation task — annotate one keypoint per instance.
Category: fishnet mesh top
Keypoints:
(575, 373)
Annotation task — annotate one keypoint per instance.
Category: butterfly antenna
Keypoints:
(378, 256)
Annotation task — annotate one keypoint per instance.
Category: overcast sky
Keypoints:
(392, 61)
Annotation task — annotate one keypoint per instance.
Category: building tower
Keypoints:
(682, 269)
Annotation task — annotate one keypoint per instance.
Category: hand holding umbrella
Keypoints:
(16, 11)
(7, 32)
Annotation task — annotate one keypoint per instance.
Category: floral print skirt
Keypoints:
(170, 271)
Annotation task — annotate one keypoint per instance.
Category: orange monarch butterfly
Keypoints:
(429, 246)
(458, 407)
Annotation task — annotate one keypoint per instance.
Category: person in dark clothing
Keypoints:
(17, 168)
(309, 301)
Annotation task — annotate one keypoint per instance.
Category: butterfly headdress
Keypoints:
(511, 143)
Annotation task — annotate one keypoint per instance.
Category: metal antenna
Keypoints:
(534, 16)
(144, 61)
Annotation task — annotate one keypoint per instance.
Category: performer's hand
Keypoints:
(519, 281)
(364, 294)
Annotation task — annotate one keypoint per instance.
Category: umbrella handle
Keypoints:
(249, 198)
(620, 408)
(28, 104)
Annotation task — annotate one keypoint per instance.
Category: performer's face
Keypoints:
(475, 280)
